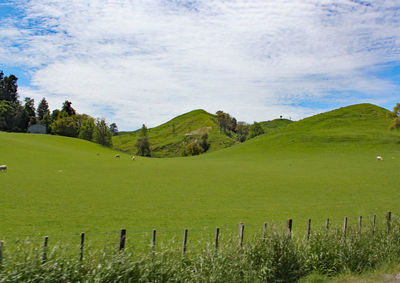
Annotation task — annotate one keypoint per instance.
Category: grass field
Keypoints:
(323, 166)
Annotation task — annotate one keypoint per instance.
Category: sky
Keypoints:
(147, 61)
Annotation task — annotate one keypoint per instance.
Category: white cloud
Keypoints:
(145, 61)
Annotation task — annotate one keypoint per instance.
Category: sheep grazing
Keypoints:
(3, 168)
(117, 155)
(133, 158)
(380, 158)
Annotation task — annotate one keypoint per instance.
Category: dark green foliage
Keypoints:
(66, 126)
(204, 142)
(142, 143)
(8, 88)
(29, 107)
(87, 129)
(194, 145)
(395, 115)
(255, 130)
(227, 124)
(55, 114)
(43, 109)
(67, 108)
(101, 133)
(242, 131)
(114, 129)
(13, 117)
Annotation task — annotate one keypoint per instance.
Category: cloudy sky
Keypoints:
(146, 61)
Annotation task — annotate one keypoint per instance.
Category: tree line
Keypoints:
(240, 130)
(17, 116)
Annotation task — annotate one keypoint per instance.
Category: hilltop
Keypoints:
(167, 139)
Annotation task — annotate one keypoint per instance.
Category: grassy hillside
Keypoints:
(319, 167)
(166, 139)
(274, 125)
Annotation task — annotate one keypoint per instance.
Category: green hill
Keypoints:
(319, 167)
(166, 139)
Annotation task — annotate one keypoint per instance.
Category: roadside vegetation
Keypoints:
(276, 256)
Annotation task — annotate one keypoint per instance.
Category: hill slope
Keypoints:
(166, 139)
(323, 166)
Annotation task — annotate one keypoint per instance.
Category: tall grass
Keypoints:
(278, 257)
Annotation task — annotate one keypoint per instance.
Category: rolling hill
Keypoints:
(166, 140)
(322, 166)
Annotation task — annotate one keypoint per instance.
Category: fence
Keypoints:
(216, 243)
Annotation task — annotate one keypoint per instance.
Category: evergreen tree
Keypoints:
(67, 108)
(43, 109)
(8, 88)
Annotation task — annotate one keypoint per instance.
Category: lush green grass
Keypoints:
(166, 139)
(323, 166)
(276, 257)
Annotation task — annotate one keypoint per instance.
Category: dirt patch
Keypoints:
(199, 131)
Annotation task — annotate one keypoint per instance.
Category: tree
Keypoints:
(143, 144)
(86, 130)
(67, 108)
(204, 142)
(242, 131)
(43, 109)
(114, 129)
(192, 148)
(66, 126)
(226, 123)
(395, 115)
(255, 130)
(29, 108)
(13, 117)
(101, 133)
(8, 88)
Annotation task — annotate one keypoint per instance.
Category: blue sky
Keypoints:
(147, 61)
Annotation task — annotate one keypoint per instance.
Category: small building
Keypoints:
(37, 129)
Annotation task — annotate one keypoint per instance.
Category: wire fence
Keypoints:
(144, 241)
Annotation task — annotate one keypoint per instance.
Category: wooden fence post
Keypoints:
(216, 238)
(359, 223)
(388, 220)
(289, 227)
(153, 241)
(81, 247)
(345, 226)
(185, 235)
(308, 229)
(1, 252)
(122, 238)
(373, 223)
(241, 234)
(327, 225)
(44, 256)
(264, 230)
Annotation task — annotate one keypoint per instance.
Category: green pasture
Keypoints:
(323, 166)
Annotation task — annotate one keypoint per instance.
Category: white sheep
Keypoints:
(3, 168)
(380, 158)
(133, 158)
